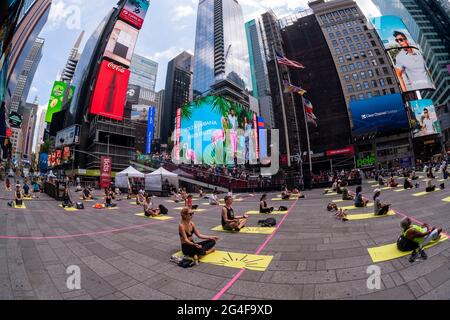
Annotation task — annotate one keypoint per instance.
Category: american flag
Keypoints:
(290, 63)
(310, 116)
(291, 88)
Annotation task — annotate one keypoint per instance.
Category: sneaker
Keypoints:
(413, 257)
(423, 255)
(175, 259)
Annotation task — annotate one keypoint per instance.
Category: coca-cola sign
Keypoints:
(116, 67)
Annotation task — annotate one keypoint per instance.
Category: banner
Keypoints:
(424, 119)
(56, 100)
(134, 12)
(262, 138)
(177, 135)
(150, 129)
(43, 162)
(121, 43)
(407, 58)
(105, 172)
(15, 120)
(110, 91)
(350, 150)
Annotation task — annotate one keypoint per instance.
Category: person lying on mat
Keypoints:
(345, 195)
(340, 214)
(285, 193)
(186, 230)
(86, 194)
(408, 184)
(430, 187)
(67, 202)
(359, 200)
(392, 183)
(231, 222)
(188, 203)
(417, 237)
(263, 208)
(213, 199)
(379, 207)
(149, 211)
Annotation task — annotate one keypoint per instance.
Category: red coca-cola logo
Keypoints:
(116, 67)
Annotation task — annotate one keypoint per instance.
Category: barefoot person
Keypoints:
(379, 207)
(149, 211)
(416, 237)
(229, 220)
(87, 194)
(186, 230)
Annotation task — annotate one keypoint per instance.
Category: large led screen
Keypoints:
(110, 91)
(121, 43)
(214, 130)
(134, 12)
(56, 99)
(424, 119)
(407, 58)
(379, 114)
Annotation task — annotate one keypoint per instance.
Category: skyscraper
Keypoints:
(178, 91)
(259, 72)
(26, 76)
(143, 72)
(72, 61)
(221, 52)
(429, 24)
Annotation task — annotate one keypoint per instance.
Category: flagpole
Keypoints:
(283, 107)
(307, 136)
(296, 125)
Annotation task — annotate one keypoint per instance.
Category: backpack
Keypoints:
(163, 209)
(405, 245)
(269, 222)
(186, 263)
(282, 208)
(80, 205)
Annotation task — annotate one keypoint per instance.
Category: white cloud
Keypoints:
(34, 89)
(181, 12)
(166, 55)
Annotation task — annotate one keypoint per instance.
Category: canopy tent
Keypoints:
(183, 174)
(154, 181)
(122, 177)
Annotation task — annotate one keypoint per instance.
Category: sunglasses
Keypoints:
(400, 40)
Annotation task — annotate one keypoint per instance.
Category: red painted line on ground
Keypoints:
(260, 249)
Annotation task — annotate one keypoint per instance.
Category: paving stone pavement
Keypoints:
(122, 256)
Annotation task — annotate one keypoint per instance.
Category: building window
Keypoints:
(363, 54)
(382, 83)
(370, 53)
(347, 78)
(377, 52)
(358, 87)
(373, 43)
(363, 37)
(345, 32)
(366, 45)
(345, 49)
(355, 38)
(381, 60)
(389, 80)
(377, 71)
(356, 55)
(338, 33)
(344, 68)
(385, 70)
(351, 66)
(361, 96)
(392, 90)
(369, 35)
(358, 29)
(341, 59)
(349, 24)
(331, 35)
(348, 57)
(355, 76)
(328, 28)
(348, 39)
(376, 93)
(334, 42)
(352, 47)
(359, 45)
(341, 41)
(363, 75)
(374, 84)
(359, 64)
(367, 63)
(338, 51)
(350, 88)
(366, 85)
(374, 62)
(369, 95)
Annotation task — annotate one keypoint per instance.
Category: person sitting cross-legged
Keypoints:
(67, 202)
(149, 211)
(416, 238)
(379, 207)
(359, 200)
(231, 222)
(263, 208)
(392, 183)
(345, 195)
(430, 187)
(285, 194)
(213, 200)
(87, 194)
(26, 190)
(186, 230)
(140, 199)
(408, 184)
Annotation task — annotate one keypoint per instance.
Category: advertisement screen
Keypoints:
(43, 162)
(262, 139)
(150, 129)
(134, 12)
(133, 93)
(105, 172)
(214, 130)
(139, 113)
(110, 91)
(68, 136)
(56, 100)
(15, 120)
(379, 114)
(121, 43)
(424, 119)
(407, 58)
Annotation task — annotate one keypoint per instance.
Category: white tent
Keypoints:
(154, 180)
(122, 177)
(183, 173)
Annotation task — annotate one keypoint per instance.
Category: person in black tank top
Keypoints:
(263, 208)
(19, 196)
(187, 230)
(231, 222)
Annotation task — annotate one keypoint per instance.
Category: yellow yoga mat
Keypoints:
(354, 208)
(331, 194)
(196, 210)
(400, 190)
(290, 199)
(446, 199)
(28, 198)
(236, 260)
(162, 218)
(338, 201)
(70, 209)
(273, 212)
(365, 216)
(420, 194)
(390, 251)
(18, 207)
(135, 203)
(371, 181)
(248, 230)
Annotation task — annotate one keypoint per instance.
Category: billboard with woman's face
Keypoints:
(407, 58)
(424, 118)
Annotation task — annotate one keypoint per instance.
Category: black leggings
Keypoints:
(383, 211)
(191, 250)
(265, 210)
(430, 189)
(286, 197)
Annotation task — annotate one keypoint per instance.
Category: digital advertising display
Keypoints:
(424, 119)
(262, 138)
(139, 113)
(378, 115)
(150, 129)
(121, 43)
(214, 130)
(68, 136)
(56, 99)
(110, 91)
(134, 12)
(407, 58)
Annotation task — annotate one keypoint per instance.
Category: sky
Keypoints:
(169, 28)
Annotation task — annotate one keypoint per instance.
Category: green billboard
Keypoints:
(56, 99)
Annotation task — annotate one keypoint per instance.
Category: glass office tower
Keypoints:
(221, 51)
